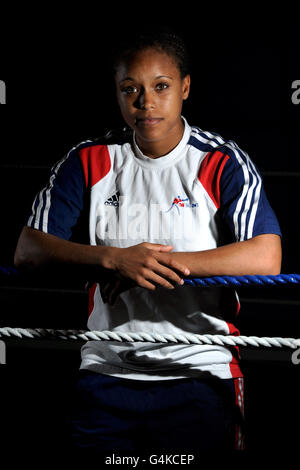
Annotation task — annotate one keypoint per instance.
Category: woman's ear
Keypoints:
(186, 84)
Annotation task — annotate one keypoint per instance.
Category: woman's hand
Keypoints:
(147, 265)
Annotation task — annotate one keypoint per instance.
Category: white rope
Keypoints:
(187, 338)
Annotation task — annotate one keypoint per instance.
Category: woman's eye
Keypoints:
(128, 90)
(162, 86)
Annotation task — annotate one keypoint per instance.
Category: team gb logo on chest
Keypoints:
(179, 203)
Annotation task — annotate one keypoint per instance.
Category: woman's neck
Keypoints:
(157, 149)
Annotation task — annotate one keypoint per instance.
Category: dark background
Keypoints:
(60, 92)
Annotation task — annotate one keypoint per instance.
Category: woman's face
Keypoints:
(150, 93)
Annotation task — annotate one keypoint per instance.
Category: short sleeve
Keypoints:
(57, 207)
(243, 202)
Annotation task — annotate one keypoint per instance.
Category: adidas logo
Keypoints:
(113, 200)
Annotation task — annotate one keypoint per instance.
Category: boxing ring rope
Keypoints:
(248, 280)
(186, 338)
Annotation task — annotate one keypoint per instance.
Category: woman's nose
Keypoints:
(146, 100)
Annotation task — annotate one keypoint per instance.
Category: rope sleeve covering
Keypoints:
(248, 280)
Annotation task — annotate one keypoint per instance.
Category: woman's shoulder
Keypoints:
(210, 137)
(210, 141)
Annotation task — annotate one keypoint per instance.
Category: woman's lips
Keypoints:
(145, 122)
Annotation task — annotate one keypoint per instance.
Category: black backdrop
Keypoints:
(59, 92)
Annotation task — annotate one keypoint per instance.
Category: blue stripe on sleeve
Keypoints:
(244, 204)
(58, 205)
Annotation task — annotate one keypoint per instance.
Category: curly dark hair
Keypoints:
(161, 38)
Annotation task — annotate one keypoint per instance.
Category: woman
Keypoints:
(165, 201)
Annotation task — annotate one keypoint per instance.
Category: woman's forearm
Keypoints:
(138, 263)
(259, 255)
(36, 249)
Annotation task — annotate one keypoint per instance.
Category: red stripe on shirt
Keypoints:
(239, 402)
(210, 174)
(96, 163)
(235, 361)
